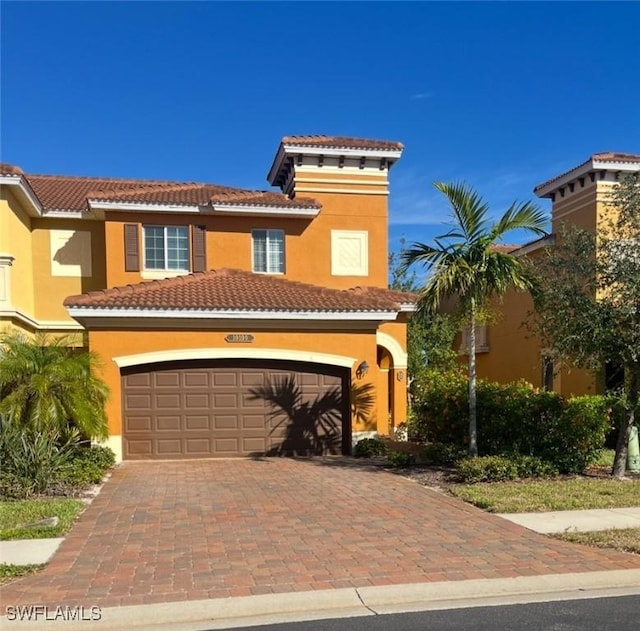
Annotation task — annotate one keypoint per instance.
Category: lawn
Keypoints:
(10, 572)
(529, 496)
(16, 514)
(625, 540)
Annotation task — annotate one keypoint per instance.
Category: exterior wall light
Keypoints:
(362, 370)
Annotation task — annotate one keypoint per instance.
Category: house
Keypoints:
(229, 322)
(507, 349)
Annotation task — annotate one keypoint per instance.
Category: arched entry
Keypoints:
(392, 367)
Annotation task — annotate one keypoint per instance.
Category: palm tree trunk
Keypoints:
(473, 432)
(632, 392)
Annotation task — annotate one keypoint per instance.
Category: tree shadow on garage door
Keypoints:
(308, 426)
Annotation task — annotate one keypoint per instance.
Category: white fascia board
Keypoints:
(201, 314)
(409, 307)
(149, 208)
(538, 244)
(66, 214)
(392, 154)
(25, 191)
(265, 211)
(583, 170)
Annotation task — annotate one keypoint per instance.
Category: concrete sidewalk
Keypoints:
(36, 551)
(577, 520)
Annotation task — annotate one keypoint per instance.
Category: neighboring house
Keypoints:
(229, 322)
(507, 349)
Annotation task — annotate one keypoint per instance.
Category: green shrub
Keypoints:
(533, 467)
(442, 454)
(487, 469)
(400, 459)
(503, 468)
(32, 462)
(513, 419)
(87, 466)
(368, 447)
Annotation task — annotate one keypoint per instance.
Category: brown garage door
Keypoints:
(241, 408)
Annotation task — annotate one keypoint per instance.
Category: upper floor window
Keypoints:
(268, 251)
(166, 248)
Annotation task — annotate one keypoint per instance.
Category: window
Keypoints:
(166, 248)
(268, 251)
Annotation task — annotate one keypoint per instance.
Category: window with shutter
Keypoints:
(199, 240)
(131, 248)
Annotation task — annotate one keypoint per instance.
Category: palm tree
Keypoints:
(47, 386)
(465, 264)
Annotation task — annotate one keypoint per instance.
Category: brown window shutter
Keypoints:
(131, 248)
(199, 238)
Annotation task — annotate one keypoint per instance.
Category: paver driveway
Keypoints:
(169, 531)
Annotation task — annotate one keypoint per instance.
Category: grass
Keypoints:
(530, 496)
(15, 515)
(10, 572)
(625, 540)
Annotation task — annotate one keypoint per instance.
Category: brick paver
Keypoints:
(171, 531)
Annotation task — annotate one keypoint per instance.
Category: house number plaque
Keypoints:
(239, 338)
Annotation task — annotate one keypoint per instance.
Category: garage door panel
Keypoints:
(225, 378)
(168, 447)
(227, 400)
(167, 401)
(142, 380)
(198, 401)
(230, 421)
(227, 409)
(138, 423)
(197, 447)
(166, 380)
(137, 401)
(196, 379)
(197, 422)
(168, 423)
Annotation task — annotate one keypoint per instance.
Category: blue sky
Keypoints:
(502, 95)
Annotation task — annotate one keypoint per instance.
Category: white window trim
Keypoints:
(151, 272)
(284, 251)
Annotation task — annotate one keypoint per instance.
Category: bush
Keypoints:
(503, 468)
(368, 447)
(512, 419)
(400, 459)
(87, 466)
(442, 454)
(32, 462)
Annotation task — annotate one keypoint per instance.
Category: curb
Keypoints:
(226, 613)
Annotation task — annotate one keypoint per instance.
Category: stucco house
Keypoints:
(507, 349)
(229, 322)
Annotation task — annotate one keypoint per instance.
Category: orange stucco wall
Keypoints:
(307, 241)
(108, 344)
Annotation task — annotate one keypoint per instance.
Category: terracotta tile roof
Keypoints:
(236, 290)
(504, 247)
(401, 297)
(10, 169)
(605, 156)
(342, 142)
(71, 193)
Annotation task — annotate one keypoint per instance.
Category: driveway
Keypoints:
(172, 531)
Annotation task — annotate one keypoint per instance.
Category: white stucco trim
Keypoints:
(397, 354)
(265, 211)
(41, 325)
(125, 361)
(218, 314)
(95, 204)
(114, 442)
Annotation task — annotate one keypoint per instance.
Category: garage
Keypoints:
(234, 408)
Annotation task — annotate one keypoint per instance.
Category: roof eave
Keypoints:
(299, 212)
(24, 192)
